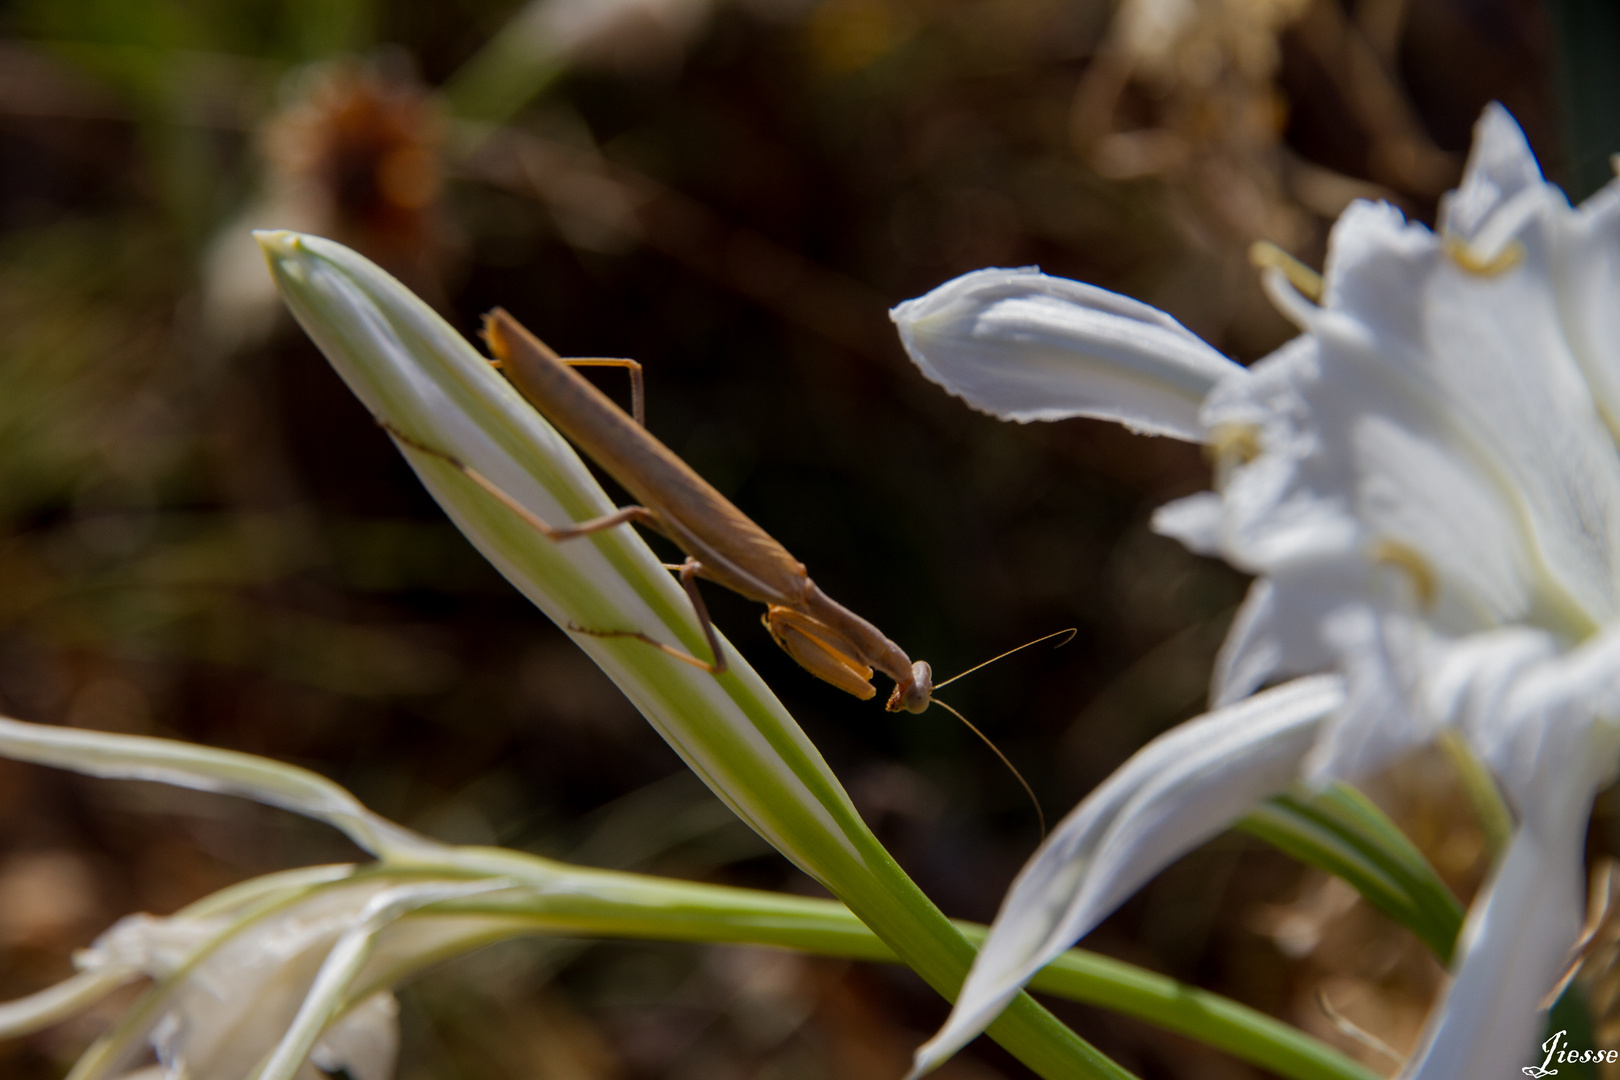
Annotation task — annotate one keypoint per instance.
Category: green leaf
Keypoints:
(1339, 830)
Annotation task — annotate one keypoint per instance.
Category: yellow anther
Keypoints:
(1235, 444)
(1268, 256)
(1409, 560)
(1500, 263)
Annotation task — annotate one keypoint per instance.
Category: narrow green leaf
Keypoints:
(1495, 819)
(1339, 830)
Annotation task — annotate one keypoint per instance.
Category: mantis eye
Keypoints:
(819, 649)
(914, 696)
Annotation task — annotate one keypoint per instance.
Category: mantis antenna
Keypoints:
(996, 750)
(1071, 631)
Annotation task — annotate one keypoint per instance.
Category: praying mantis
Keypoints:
(722, 544)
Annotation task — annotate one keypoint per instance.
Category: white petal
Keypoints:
(1587, 274)
(151, 944)
(232, 1008)
(1278, 632)
(1279, 507)
(1379, 654)
(1441, 411)
(1466, 682)
(1024, 346)
(1513, 948)
(344, 963)
(1452, 399)
(169, 761)
(1534, 720)
(24, 1016)
(364, 1043)
(1541, 735)
(1173, 794)
(1195, 521)
(1500, 168)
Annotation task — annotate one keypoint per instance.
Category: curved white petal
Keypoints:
(1587, 278)
(1024, 346)
(1514, 947)
(1467, 682)
(1381, 654)
(1278, 632)
(1195, 521)
(1500, 168)
(1518, 936)
(364, 1042)
(371, 1041)
(169, 761)
(26, 1015)
(1173, 794)
(1545, 734)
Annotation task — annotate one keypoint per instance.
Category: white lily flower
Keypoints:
(1427, 484)
(277, 976)
(249, 987)
(283, 977)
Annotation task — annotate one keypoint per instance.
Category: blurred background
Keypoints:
(202, 535)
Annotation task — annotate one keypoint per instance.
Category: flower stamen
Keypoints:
(1471, 262)
(1233, 445)
(1264, 255)
(1404, 557)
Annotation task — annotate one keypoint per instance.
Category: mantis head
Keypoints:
(914, 694)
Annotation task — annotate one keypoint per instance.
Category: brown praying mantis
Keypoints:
(721, 543)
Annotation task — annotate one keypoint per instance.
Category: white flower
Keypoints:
(280, 975)
(1427, 485)
(237, 985)
(284, 977)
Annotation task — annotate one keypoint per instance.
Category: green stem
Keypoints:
(601, 903)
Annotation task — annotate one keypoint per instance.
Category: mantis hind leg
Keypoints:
(689, 571)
